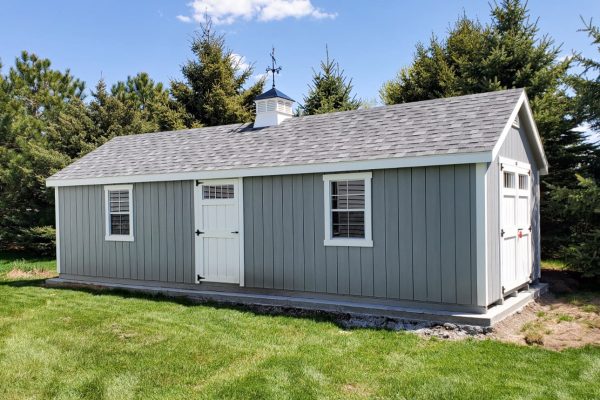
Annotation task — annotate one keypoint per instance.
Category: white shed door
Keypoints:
(515, 225)
(217, 231)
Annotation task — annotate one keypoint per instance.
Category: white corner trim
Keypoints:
(481, 233)
(107, 234)
(330, 167)
(367, 241)
(57, 232)
(536, 142)
(241, 227)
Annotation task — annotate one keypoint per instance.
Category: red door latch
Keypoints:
(520, 234)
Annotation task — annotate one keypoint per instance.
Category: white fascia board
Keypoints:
(534, 138)
(362, 165)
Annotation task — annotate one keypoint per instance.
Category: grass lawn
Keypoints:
(70, 344)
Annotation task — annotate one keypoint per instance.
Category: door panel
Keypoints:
(218, 224)
(515, 224)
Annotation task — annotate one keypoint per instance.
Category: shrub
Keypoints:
(40, 240)
(581, 206)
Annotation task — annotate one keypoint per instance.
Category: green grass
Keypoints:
(23, 262)
(554, 265)
(70, 344)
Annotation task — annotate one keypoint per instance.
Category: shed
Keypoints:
(431, 205)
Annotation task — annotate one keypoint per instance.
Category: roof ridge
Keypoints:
(418, 102)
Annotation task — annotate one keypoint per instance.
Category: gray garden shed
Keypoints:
(432, 204)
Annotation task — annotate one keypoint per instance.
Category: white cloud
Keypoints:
(239, 61)
(226, 12)
(264, 76)
(184, 18)
(565, 57)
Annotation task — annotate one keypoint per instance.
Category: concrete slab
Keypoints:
(493, 315)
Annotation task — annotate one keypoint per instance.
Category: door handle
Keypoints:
(198, 232)
(236, 232)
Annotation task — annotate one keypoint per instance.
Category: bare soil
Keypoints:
(554, 322)
(566, 317)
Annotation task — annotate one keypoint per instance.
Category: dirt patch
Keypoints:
(554, 322)
(34, 273)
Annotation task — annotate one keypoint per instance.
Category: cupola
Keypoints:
(272, 108)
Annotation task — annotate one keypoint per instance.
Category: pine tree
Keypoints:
(214, 88)
(588, 87)
(158, 110)
(115, 115)
(507, 53)
(36, 102)
(330, 90)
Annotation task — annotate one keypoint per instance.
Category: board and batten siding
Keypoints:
(423, 237)
(163, 245)
(516, 147)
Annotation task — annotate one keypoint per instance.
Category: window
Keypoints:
(119, 211)
(348, 209)
(523, 182)
(509, 180)
(217, 192)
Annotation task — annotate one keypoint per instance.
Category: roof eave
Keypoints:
(339, 166)
(534, 135)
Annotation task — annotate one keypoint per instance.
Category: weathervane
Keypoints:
(272, 69)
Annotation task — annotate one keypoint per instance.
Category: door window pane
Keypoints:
(523, 182)
(217, 192)
(509, 180)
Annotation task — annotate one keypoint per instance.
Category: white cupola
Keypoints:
(272, 108)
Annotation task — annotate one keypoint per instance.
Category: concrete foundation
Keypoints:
(492, 315)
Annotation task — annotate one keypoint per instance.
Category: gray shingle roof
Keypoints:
(465, 124)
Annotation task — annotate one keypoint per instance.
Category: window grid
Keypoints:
(119, 212)
(348, 209)
(213, 192)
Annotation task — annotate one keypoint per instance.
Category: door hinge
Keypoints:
(199, 232)
(529, 228)
(199, 278)
(501, 232)
(501, 166)
(198, 182)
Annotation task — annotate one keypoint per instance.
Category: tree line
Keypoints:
(46, 121)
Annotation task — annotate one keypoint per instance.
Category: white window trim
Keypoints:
(118, 238)
(368, 239)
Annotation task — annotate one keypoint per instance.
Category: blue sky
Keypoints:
(372, 40)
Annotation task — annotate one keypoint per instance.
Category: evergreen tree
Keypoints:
(330, 90)
(507, 53)
(213, 90)
(114, 115)
(159, 111)
(588, 87)
(37, 105)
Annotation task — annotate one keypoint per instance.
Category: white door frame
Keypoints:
(198, 254)
(517, 167)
